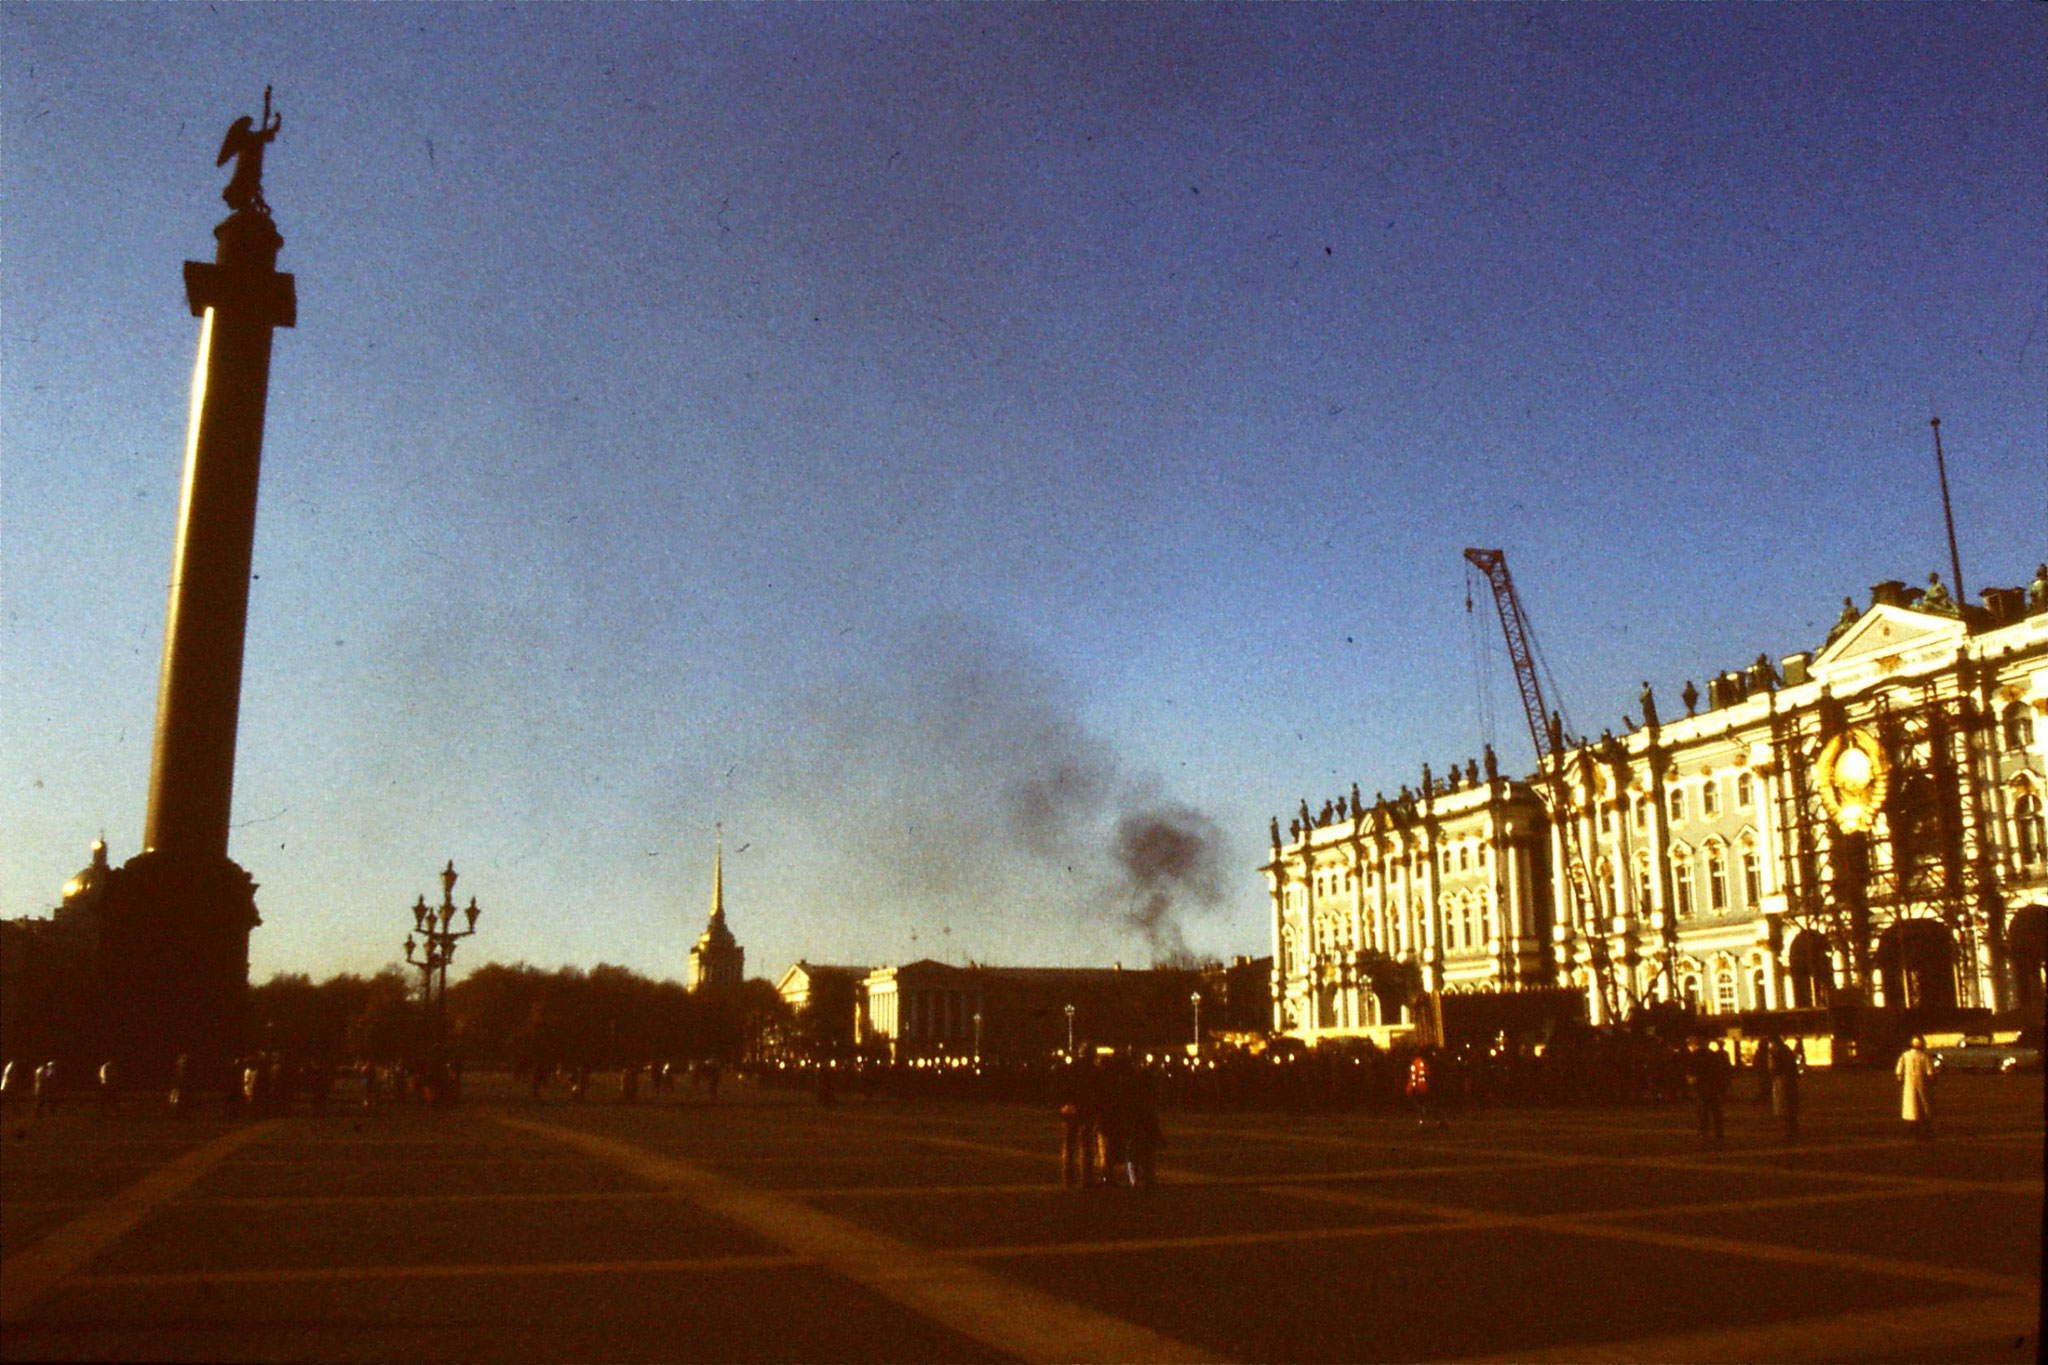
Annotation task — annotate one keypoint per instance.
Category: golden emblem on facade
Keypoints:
(1853, 776)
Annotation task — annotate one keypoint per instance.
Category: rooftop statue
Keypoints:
(245, 142)
(1849, 617)
(1936, 598)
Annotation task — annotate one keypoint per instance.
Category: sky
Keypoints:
(988, 459)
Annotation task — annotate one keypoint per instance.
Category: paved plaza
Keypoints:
(763, 1227)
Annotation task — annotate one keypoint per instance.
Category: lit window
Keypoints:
(2027, 825)
(2019, 727)
(1724, 991)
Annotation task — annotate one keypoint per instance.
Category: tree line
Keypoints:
(519, 1017)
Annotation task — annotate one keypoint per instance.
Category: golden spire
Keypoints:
(718, 878)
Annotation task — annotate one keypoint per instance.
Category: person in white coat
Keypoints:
(1915, 1071)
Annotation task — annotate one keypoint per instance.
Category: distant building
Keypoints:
(824, 1005)
(1859, 825)
(1237, 998)
(934, 1009)
(717, 960)
(49, 973)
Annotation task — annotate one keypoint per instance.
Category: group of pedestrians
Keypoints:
(1109, 1122)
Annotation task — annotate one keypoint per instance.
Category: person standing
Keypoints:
(1711, 1075)
(1080, 1103)
(1915, 1070)
(1423, 1086)
(1783, 1069)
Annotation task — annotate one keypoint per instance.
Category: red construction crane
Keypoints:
(1546, 729)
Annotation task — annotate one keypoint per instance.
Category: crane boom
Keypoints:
(1514, 624)
(1546, 728)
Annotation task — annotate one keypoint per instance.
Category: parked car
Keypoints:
(1981, 1054)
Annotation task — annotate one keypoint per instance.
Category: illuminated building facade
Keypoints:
(1859, 825)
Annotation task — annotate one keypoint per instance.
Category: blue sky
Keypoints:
(924, 438)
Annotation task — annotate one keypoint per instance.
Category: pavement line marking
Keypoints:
(1929, 1332)
(1014, 1318)
(339, 1273)
(1705, 1163)
(28, 1275)
(1579, 1225)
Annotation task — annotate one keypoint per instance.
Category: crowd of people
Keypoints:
(1108, 1100)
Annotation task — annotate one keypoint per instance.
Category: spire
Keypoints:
(718, 878)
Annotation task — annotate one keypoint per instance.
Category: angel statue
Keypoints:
(245, 142)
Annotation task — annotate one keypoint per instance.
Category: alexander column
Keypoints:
(174, 936)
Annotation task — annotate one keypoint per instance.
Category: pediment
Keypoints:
(1886, 632)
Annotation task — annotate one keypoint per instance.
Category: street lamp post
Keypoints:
(429, 947)
(977, 1037)
(1195, 999)
(1070, 1031)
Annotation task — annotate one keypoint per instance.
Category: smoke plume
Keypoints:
(1170, 857)
(952, 801)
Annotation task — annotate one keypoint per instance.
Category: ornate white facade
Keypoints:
(1446, 889)
(1862, 824)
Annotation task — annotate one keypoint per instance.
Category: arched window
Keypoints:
(1745, 790)
(1676, 795)
(2030, 837)
(1717, 879)
(1681, 882)
(1752, 877)
(1757, 990)
(1643, 884)
(1724, 989)
(1471, 922)
(2019, 727)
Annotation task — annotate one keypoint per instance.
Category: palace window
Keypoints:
(1752, 877)
(1724, 991)
(1642, 814)
(1710, 796)
(1471, 921)
(1745, 791)
(1464, 857)
(1677, 800)
(1717, 880)
(1681, 884)
(2019, 727)
(2032, 837)
(1643, 884)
